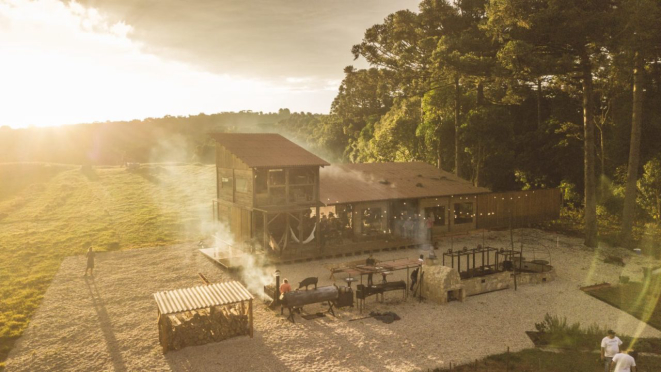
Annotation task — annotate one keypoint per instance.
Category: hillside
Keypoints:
(170, 138)
(48, 212)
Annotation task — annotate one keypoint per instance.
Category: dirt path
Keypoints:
(109, 322)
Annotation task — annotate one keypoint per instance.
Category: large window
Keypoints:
(277, 177)
(301, 194)
(241, 185)
(437, 214)
(372, 220)
(301, 176)
(278, 195)
(463, 213)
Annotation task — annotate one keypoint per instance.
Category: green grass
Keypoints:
(534, 360)
(50, 212)
(642, 300)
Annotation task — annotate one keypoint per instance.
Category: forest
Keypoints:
(512, 94)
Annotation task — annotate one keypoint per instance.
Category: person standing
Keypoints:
(430, 224)
(610, 346)
(371, 263)
(408, 227)
(90, 262)
(323, 233)
(624, 362)
(284, 288)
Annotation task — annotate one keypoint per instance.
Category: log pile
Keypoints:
(202, 326)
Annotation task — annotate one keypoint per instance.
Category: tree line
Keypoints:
(511, 94)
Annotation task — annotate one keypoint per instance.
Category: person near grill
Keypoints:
(414, 277)
(370, 262)
(284, 288)
(429, 224)
(90, 261)
(610, 345)
(624, 362)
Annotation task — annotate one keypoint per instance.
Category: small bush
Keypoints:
(558, 333)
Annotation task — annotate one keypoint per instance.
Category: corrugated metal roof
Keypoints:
(201, 297)
(267, 150)
(350, 183)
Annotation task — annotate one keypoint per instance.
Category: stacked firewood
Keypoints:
(203, 326)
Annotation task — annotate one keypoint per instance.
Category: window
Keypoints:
(278, 195)
(241, 185)
(226, 183)
(276, 177)
(437, 213)
(300, 194)
(372, 220)
(463, 213)
(298, 176)
(261, 181)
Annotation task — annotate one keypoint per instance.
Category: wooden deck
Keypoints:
(349, 248)
(298, 254)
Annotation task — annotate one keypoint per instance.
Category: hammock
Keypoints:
(306, 241)
(275, 246)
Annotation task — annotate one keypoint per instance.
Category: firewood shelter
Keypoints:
(203, 314)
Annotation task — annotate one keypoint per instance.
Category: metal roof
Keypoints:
(350, 183)
(201, 297)
(267, 150)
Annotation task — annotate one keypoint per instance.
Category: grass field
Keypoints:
(535, 360)
(642, 300)
(48, 212)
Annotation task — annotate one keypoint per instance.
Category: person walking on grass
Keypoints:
(624, 362)
(610, 346)
(90, 261)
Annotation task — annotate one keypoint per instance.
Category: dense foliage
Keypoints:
(512, 94)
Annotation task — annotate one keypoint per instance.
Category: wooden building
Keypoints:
(273, 193)
(399, 198)
(267, 187)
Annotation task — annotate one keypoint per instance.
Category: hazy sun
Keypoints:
(64, 63)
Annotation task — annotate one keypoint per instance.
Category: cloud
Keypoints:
(67, 63)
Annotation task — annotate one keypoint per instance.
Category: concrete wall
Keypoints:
(439, 280)
(488, 283)
(536, 278)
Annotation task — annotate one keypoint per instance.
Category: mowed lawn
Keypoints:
(642, 300)
(48, 212)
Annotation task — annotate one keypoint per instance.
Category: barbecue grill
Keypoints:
(334, 296)
(362, 292)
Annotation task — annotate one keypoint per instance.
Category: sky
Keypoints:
(66, 62)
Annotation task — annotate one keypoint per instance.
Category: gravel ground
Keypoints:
(109, 322)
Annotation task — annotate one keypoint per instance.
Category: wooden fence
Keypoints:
(494, 210)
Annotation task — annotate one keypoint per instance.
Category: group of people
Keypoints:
(413, 227)
(614, 359)
(328, 226)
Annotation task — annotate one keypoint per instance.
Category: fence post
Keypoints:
(507, 365)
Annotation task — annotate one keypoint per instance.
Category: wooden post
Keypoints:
(458, 262)
(250, 317)
(300, 229)
(266, 231)
(407, 280)
(316, 224)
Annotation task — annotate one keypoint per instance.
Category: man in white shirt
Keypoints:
(623, 362)
(610, 346)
